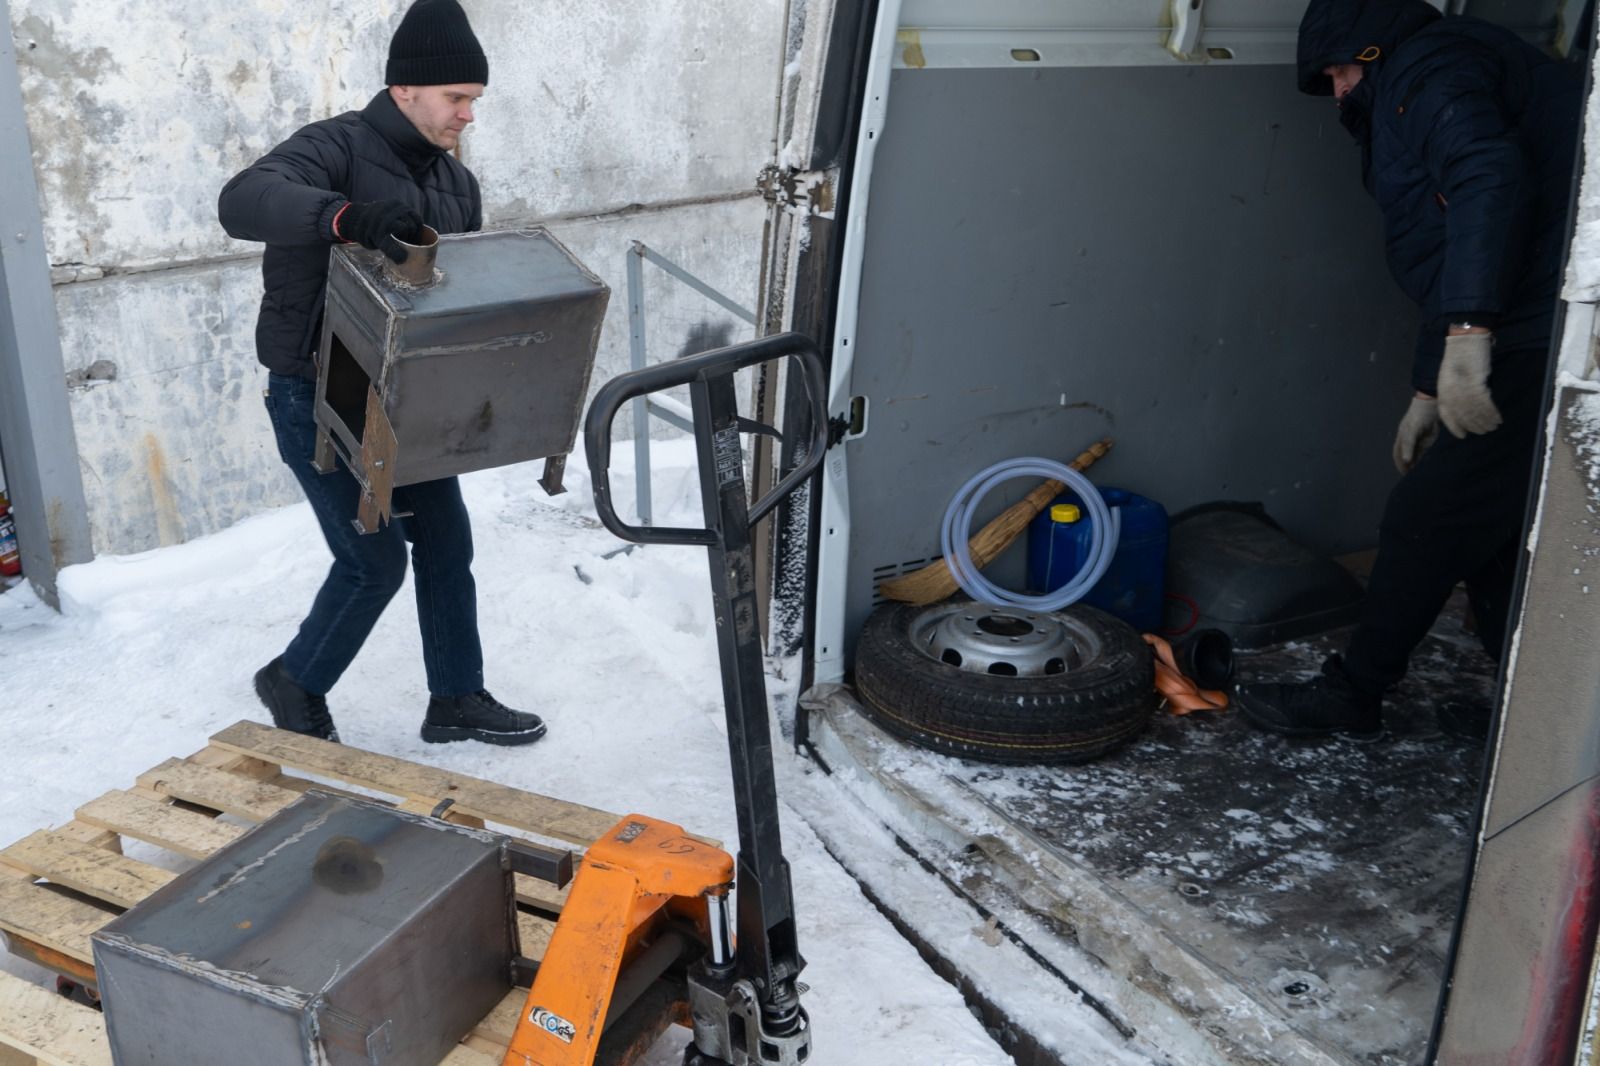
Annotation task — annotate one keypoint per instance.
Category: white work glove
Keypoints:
(1465, 405)
(1418, 430)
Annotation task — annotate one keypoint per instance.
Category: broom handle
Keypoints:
(1034, 502)
(936, 581)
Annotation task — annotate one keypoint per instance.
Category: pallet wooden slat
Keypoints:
(535, 933)
(221, 790)
(96, 872)
(184, 832)
(258, 800)
(450, 814)
(500, 1024)
(92, 835)
(265, 772)
(397, 777)
(541, 894)
(240, 774)
(233, 762)
(54, 1030)
(49, 919)
(10, 1056)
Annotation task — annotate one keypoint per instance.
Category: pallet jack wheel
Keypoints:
(1005, 685)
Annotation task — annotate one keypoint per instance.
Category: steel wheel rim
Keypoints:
(1003, 641)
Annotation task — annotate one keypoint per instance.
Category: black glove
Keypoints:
(377, 224)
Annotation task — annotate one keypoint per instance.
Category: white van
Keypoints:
(1018, 227)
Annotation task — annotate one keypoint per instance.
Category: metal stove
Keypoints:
(474, 353)
(338, 933)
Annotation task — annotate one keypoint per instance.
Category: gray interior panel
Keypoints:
(1538, 20)
(1182, 258)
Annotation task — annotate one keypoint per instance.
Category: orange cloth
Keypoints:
(1182, 696)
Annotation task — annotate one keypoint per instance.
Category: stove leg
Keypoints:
(323, 461)
(555, 468)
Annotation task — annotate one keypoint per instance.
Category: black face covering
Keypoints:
(1355, 112)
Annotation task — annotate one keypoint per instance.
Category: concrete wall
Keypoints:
(607, 121)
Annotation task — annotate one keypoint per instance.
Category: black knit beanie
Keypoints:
(435, 45)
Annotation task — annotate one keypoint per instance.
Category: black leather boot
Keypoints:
(292, 707)
(1321, 707)
(478, 716)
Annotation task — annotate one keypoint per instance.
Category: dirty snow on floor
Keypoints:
(154, 653)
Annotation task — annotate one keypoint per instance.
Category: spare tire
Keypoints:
(1005, 685)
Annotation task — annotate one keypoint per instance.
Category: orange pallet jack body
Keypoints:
(635, 886)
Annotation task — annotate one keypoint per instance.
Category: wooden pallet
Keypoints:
(58, 886)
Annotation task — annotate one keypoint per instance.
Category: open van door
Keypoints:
(1015, 227)
(1521, 985)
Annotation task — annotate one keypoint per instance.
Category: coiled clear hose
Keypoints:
(957, 531)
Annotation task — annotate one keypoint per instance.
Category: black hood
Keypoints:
(1354, 31)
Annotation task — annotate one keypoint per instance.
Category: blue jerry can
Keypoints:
(1134, 588)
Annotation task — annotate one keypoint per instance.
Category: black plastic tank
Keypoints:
(1232, 568)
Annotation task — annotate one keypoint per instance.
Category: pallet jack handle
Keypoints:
(702, 370)
(767, 957)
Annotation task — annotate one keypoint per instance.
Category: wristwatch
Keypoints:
(1469, 325)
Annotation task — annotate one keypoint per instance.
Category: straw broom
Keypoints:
(934, 582)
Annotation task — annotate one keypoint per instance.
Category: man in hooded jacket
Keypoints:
(1468, 138)
(372, 177)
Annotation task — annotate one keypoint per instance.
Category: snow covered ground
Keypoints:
(153, 653)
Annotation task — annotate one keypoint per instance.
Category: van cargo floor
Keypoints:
(1289, 901)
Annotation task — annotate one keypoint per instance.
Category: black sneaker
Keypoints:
(478, 716)
(292, 707)
(1320, 707)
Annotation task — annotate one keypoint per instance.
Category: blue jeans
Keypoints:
(369, 569)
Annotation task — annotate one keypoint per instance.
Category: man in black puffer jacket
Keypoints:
(372, 177)
(1468, 137)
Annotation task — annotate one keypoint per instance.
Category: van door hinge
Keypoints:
(807, 190)
(1188, 23)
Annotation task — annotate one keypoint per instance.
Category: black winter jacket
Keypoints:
(1469, 136)
(288, 199)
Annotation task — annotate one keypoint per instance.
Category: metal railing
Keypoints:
(659, 406)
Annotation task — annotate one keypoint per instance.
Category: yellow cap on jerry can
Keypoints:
(1065, 512)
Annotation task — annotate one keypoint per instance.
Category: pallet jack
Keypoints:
(649, 910)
